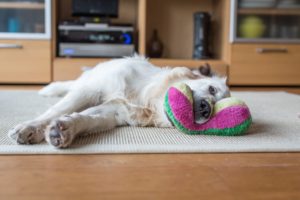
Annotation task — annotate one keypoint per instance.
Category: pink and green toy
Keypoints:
(231, 116)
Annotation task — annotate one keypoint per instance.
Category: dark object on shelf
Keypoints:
(95, 8)
(201, 35)
(155, 46)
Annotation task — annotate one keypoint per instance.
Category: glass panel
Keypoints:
(268, 19)
(252, 26)
(22, 16)
(268, 27)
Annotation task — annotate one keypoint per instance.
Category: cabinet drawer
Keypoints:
(265, 64)
(71, 68)
(25, 61)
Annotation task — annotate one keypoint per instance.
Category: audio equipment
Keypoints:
(95, 40)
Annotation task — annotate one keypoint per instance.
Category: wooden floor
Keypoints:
(152, 176)
(162, 176)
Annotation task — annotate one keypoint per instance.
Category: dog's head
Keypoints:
(207, 89)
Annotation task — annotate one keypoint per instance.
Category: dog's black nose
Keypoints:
(202, 110)
(205, 109)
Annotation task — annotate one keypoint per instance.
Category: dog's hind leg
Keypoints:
(62, 131)
(32, 132)
(57, 89)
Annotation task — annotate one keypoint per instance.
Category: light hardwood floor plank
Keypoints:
(151, 176)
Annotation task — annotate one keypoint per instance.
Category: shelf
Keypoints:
(174, 22)
(217, 65)
(71, 68)
(20, 5)
(184, 62)
(269, 11)
(268, 40)
(192, 63)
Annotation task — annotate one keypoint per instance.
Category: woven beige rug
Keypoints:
(276, 128)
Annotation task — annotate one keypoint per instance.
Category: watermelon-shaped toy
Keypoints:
(231, 116)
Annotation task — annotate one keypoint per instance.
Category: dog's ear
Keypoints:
(205, 70)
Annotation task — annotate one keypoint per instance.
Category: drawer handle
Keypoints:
(11, 46)
(271, 50)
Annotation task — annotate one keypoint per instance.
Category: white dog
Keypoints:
(127, 91)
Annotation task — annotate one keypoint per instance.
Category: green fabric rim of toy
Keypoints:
(236, 131)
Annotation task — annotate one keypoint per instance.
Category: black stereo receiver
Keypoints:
(95, 40)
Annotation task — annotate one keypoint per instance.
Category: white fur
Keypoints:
(128, 91)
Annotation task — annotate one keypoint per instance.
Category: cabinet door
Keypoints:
(25, 61)
(265, 64)
(25, 19)
(275, 21)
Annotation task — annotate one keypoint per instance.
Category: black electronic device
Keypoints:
(95, 8)
(95, 40)
(201, 35)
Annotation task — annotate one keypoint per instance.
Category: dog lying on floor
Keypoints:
(128, 91)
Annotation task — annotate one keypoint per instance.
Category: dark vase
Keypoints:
(155, 46)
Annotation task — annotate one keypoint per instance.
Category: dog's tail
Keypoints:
(57, 89)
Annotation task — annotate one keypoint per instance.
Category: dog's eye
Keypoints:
(212, 90)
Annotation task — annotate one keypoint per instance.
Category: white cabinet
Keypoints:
(25, 41)
(25, 19)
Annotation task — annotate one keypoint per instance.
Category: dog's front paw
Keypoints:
(60, 133)
(27, 133)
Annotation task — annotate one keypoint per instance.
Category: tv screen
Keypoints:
(95, 8)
